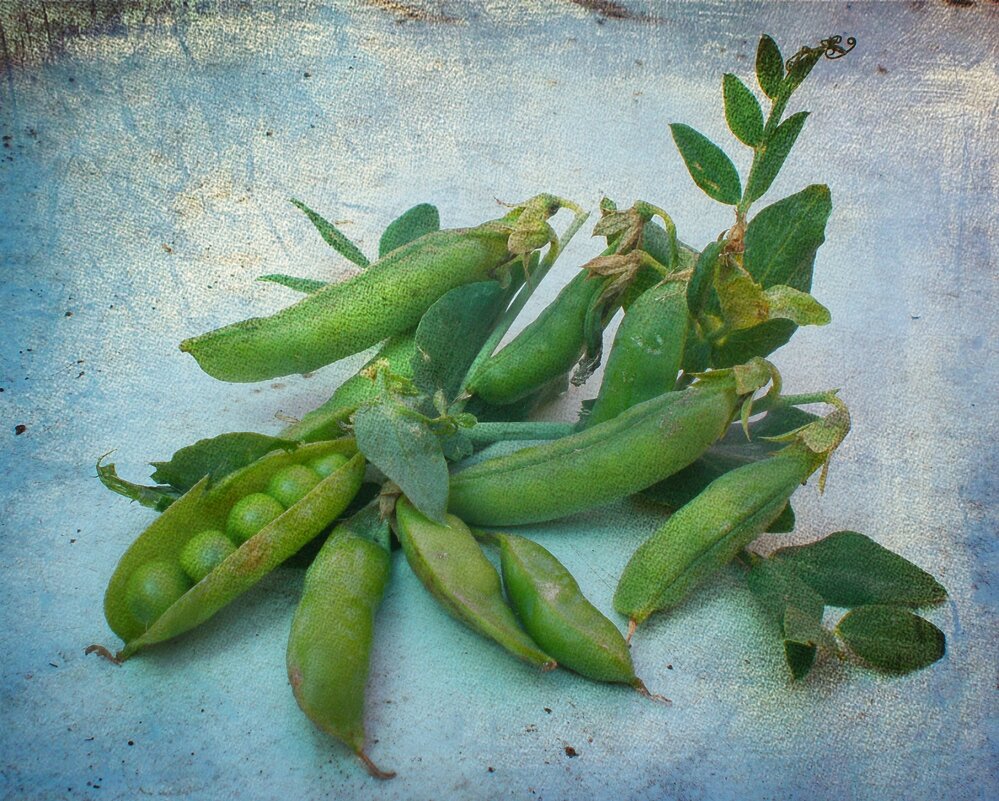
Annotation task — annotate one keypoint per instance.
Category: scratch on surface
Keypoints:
(612, 10)
(405, 11)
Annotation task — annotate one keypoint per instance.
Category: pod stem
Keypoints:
(372, 768)
(639, 685)
(101, 651)
(632, 625)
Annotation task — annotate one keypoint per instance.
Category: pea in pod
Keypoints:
(554, 611)
(329, 648)
(731, 512)
(202, 509)
(647, 351)
(608, 461)
(548, 347)
(451, 565)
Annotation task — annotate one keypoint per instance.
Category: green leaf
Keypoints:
(769, 67)
(795, 607)
(457, 446)
(787, 303)
(451, 334)
(412, 224)
(741, 299)
(761, 340)
(158, 498)
(398, 441)
(784, 524)
(850, 569)
(782, 239)
(742, 111)
(703, 278)
(707, 164)
(306, 285)
(772, 155)
(216, 457)
(892, 639)
(333, 236)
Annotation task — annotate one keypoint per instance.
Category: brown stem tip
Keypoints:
(373, 769)
(100, 650)
(639, 685)
(632, 625)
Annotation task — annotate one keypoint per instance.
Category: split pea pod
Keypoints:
(329, 648)
(557, 615)
(710, 530)
(548, 347)
(150, 609)
(451, 565)
(341, 319)
(608, 461)
(647, 351)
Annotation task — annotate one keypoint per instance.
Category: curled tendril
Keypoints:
(831, 48)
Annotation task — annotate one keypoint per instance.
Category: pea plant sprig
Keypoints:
(434, 444)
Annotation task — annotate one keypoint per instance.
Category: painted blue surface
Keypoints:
(145, 185)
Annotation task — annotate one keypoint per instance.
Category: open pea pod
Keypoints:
(202, 509)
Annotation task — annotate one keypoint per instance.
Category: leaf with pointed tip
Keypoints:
(306, 285)
(769, 67)
(703, 278)
(707, 164)
(412, 224)
(773, 155)
(216, 457)
(850, 569)
(787, 303)
(892, 639)
(398, 441)
(333, 236)
(158, 498)
(742, 111)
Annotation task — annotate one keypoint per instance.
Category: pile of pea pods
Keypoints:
(435, 445)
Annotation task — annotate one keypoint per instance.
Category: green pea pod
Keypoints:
(388, 298)
(201, 509)
(710, 530)
(451, 565)
(545, 349)
(557, 615)
(647, 351)
(329, 648)
(608, 461)
(325, 422)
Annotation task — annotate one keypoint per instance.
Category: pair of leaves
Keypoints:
(215, 457)
(848, 569)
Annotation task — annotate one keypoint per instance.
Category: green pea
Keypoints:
(330, 463)
(707, 533)
(250, 515)
(204, 552)
(153, 588)
(451, 565)
(605, 462)
(647, 351)
(558, 616)
(290, 484)
(548, 347)
(329, 647)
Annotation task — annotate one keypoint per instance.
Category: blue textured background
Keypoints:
(149, 150)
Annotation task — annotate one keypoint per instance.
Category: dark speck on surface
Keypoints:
(20, 428)
(571, 752)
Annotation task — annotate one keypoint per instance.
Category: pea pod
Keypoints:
(451, 565)
(558, 616)
(325, 421)
(546, 348)
(730, 513)
(202, 509)
(647, 351)
(341, 319)
(608, 461)
(329, 648)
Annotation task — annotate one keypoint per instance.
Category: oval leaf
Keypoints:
(742, 111)
(850, 569)
(773, 154)
(412, 224)
(398, 441)
(769, 67)
(892, 639)
(333, 236)
(707, 164)
(216, 457)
